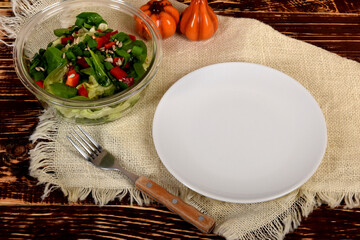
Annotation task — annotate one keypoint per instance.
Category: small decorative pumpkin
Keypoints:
(164, 15)
(198, 21)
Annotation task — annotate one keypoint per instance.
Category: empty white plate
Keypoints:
(239, 132)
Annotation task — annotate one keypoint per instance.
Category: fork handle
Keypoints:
(175, 204)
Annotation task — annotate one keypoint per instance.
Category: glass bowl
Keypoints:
(37, 32)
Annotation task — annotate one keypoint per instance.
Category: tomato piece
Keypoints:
(127, 65)
(107, 36)
(99, 42)
(118, 73)
(129, 81)
(82, 62)
(40, 84)
(82, 91)
(132, 37)
(113, 33)
(72, 78)
(65, 39)
(109, 44)
(116, 59)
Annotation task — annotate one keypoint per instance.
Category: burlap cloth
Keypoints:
(332, 80)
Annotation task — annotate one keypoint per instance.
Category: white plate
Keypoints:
(239, 132)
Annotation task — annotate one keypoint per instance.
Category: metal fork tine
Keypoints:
(91, 154)
(91, 139)
(84, 154)
(86, 142)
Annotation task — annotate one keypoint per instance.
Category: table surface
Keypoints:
(329, 24)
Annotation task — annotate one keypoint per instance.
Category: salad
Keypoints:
(89, 60)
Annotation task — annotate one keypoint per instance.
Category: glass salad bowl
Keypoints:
(38, 32)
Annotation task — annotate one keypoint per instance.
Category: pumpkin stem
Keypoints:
(156, 7)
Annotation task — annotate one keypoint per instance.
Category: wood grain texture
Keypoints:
(292, 6)
(330, 24)
(90, 222)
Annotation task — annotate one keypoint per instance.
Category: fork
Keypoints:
(100, 157)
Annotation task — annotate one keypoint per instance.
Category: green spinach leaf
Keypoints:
(98, 69)
(61, 31)
(53, 57)
(55, 76)
(62, 90)
(90, 18)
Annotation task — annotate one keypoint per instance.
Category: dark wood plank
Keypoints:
(331, 6)
(327, 223)
(89, 222)
(309, 6)
(43, 221)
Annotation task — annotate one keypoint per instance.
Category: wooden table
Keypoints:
(330, 24)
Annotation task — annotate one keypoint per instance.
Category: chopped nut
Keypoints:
(72, 75)
(119, 62)
(129, 51)
(70, 64)
(78, 57)
(110, 60)
(111, 52)
(119, 44)
(63, 56)
(113, 47)
(102, 49)
(37, 69)
(42, 69)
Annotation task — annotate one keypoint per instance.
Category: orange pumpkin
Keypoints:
(198, 21)
(164, 15)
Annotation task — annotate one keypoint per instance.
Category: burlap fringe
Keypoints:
(41, 155)
(291, 219)
(42, 168)
(280, 226)
(22, 10)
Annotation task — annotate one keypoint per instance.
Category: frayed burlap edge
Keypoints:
(42, 168)
(42, 163)
(289, 220)
(22, 10)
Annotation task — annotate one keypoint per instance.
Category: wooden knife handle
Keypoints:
(188, 213)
